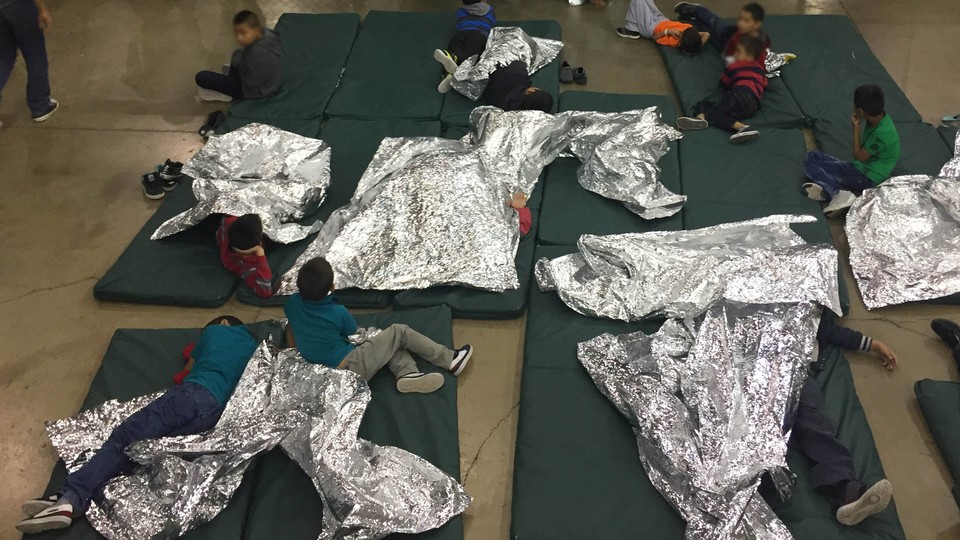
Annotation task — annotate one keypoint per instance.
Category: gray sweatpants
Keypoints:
(392, 348)
(643, 16)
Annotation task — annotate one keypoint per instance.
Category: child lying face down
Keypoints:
(216, 364)
(256, 68)
(240, 240)
(319, 327)
(474, 22)
(511, 89)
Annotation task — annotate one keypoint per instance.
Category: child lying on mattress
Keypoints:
(474, 22)
(725, 36)
(319, 327)
(511, 89)
(240, 240)
(645, 20)
(215, 366)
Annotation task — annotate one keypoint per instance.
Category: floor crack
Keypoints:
(476, 456)
(51, 288)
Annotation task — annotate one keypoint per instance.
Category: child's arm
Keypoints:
(849, 339)
(859, 153)
(259, 277)
(349, 323)
(704, 37)
(519, 203)
(291, 340)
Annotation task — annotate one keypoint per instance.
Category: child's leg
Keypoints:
(388, 348)
(467, 43)
(705, 20)
(643, 16)
(218, 82)
(825, 170)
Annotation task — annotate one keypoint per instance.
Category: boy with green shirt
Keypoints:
(875, 155)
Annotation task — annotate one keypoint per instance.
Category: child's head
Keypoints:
(315, 279)
(749, 48)
(868, 100)
(690, 41)
(536, 99)
(751, 19)
(246, 232)
(224, 320)
(246, 28)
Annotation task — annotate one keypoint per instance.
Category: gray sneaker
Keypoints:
(839, 204)
(446, 84)
(873, 500)
(419, 383)
(690, 123)
(744, 134)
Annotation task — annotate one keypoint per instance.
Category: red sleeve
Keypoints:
(259, 277)
(526, 220)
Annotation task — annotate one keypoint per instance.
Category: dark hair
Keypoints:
(246, 232)
(537, 100)
(690, 41)
(467, 2)
(755, 10)
(753, 46)
(248, 18)
(315, 279)
(869, 97)
(231, 321)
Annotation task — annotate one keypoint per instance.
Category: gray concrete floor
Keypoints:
(123, 71)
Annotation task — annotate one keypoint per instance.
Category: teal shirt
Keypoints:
(320, 328)
(883, 143)
(219, 358)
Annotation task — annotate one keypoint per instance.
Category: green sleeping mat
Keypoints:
(576, 468)
(181, 270)
(353, 144)
(832, 61)
(456, 108)
(569, 210)
(315, 49)
(939, 403)
(949, 135)
(922, 150)
(697, 78)
(390, 72)
(275, 494)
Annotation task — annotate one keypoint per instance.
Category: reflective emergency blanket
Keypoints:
(505, 45)
(257, 169)
(708, 400)
(312, 411)
(775, 61)
(681, 273)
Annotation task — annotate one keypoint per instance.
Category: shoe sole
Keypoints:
(446, 84)
(873, 501)
(448, 64)
(156, 197)
(32, 508)
(47, 116)
(815, 192)
(691, 124)
(463, 364)
(423, 384)
(627, 36)
(50, 523)
(746, 137)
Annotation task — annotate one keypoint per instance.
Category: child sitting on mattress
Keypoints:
(240, 240)
(216, 365)
(723, 35)
(875, 154)
(743, 83)
(255, 69)
(511, 89)
(475, 19)
(645, 20)
(319, 327)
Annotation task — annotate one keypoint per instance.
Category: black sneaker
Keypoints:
(629, 34)
(948, 331)
(152, 186)
(460, 358)
(213, 122)
(170, 174)
(51, 108)
(685, 9)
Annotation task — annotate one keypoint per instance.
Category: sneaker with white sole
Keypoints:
(152, 186)
(744, 134)
(872, 501)
(58, 515)
(170, 174)
(446, 60)
(839, 204)
(629, 34)
(419, 383)
(52, 107)
(814, 191)
(689, 123)
(33, 507)
(460, 358)
(446, 84)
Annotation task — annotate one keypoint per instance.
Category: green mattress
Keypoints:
(569, 210)
(181, 270)
(275, 494)
(353, 144)
(922, 149)
(939, 403)
(697, 78)
(949, 135)
(832, 60)
(456, 108)
(390, 72)
(315, 49)
(576, 468)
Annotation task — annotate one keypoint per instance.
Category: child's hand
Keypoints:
(44, 19)
(856, 120)
(886, 354)
(258, 251)
(519, 200)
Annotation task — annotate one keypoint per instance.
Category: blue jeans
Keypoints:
(833, 174)
(19, 29)
(182, 410)
(705, 20)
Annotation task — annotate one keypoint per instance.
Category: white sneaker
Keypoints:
(35, 506)
(814, 191)
(420, 383)
(744, 134)
(212, 95)
(460, 358)
(446, 60)
(688, 123)
(874, 500)
(446, 84)
(56, 516)
(839, 204)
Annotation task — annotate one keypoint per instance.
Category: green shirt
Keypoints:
(883, 143)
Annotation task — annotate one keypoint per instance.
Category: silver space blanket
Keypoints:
(904, 238)
(681, 273)
(257, 169)
(707, 400)
(505, 45)
(312, 412)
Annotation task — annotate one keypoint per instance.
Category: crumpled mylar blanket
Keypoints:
(775, 61)
(257, 169)
(505, 45)
(708, 400)
(312, 412)
(681, 273)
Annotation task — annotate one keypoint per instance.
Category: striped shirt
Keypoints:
(749, 73)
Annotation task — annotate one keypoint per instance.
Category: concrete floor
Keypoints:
(123, 71)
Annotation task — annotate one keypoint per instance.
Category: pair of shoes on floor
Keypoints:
(873, 501)
(570, 74)
(424, 383)
(742, 135)
(45, 514)
(52, 107)
(163, 179)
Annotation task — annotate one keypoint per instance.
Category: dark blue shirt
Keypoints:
(479, 17)
(219, 358)
(320, 328)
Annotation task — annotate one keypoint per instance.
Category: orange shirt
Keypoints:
(669, 41)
